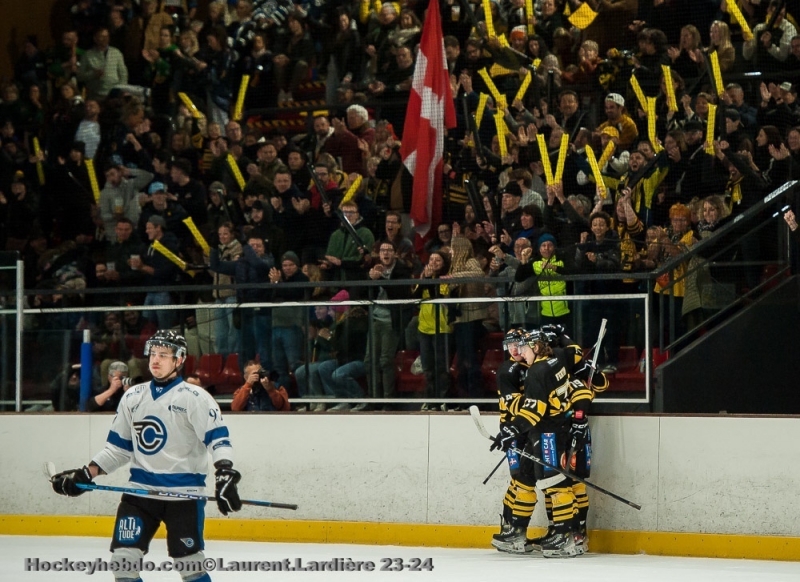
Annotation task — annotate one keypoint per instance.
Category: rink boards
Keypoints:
(708, 486)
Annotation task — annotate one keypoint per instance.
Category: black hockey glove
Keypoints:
(505, 438)
(579, 430)
(226, 479)
(555, 328)
(66, 482)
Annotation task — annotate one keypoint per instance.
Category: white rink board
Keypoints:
(690, 474)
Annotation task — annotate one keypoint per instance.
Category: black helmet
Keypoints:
(513, 336)
(530, 338)
(168, 339)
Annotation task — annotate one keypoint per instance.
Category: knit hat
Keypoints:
(342, 295)
(291, 256)
(546, 237)
(216, 187)
(512, 188)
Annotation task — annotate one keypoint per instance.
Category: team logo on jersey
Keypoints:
(188, 542)
(129, 530)
(175, 408)
(151, 435)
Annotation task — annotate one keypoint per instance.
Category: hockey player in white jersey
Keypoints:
(165, 429)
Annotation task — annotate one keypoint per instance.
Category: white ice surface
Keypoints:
(448, 564)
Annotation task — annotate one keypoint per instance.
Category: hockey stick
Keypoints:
(476, 417)
(593, 366)
(50, 471)
(485, 481)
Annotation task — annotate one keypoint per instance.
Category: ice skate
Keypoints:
(559, 545)
(511, 539)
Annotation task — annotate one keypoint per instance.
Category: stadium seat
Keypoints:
(188, 366)
(209, 369)
(405, 380)
(231, 376)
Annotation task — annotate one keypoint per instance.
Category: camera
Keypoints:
(127, 381)
(272, 376)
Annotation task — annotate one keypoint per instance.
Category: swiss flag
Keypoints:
(430, 111)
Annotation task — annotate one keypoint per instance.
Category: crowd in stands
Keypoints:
(147, 92)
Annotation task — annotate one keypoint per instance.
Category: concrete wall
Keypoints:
(705, 475)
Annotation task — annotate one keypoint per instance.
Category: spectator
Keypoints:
(346, 139)
(344, 259)
(188, 192)
(225, 334)
(618, 118)
(260, 393)
(255, 323)
(348, 343)
(118, 252)
(159, 271)
(119, 198)
(435, 330)
(388, 321)
(467, 317)
(294, 57)
(102, 67)
(172, 213)
(720, 42)
(118, 383)
(307, 373)
(287, 322)
(770, 47)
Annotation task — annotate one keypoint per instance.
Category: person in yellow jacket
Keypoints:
(546, 270)
(434, 328)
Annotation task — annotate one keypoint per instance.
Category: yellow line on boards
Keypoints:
(427, 535)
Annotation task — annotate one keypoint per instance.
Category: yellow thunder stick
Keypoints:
(738, 17)
(651, 124)
(169, 254)
(526, 82)
(672, 103)
(235, 171)
(529, 15)
(717, 73)
(501, 133)
(39, 168)
(710, 128)
(351, 191)
(196, 234)
(548, 170)
(190, 105)
(93, 179)
(482, 99)
(499, 98)
(487, 15)
(562, 158)
(237, 109)
(637, 89)
(598, 176)
(607, 153)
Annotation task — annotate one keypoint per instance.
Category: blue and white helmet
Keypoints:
(168, 339)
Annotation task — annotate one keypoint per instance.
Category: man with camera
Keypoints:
(259, 392)
(108, 400)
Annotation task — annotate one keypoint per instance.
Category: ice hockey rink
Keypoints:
(457, 565)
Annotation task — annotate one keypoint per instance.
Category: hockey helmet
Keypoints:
(512, 337)
(168, 339)
(530, 338)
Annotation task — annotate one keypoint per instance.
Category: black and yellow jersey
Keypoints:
(545, 402)
(510, 386)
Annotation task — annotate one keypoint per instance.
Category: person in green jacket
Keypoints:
(546, 270)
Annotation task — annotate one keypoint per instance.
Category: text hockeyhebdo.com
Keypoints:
(223, 565)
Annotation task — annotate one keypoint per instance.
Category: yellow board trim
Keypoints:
(425, 535)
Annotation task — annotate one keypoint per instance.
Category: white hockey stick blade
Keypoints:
(476, 418)
(49, 469)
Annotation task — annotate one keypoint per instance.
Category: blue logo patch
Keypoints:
(188, 542)
(151, 435)
(129, 530)
(225, 443)
(549, 454)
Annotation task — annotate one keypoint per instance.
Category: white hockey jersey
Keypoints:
(166, 433)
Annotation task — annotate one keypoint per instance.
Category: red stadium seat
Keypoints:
(405, 380)
(231, 376)
(188, 366)
(209, 369)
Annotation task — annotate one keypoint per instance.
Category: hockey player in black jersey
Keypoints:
(520, 497)
(538, 419)
(585, 382)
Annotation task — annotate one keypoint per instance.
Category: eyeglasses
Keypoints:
(349, 211)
